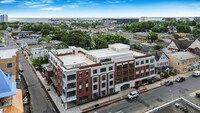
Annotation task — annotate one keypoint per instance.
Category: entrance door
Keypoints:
(125, 87)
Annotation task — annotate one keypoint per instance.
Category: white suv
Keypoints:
(133, 94)
(196, 73)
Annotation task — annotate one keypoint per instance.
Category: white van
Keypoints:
(196, 73)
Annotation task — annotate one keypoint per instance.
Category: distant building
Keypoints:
(184, 19)
(9, 60)
(183, 62)
(196, 18)
(38, 52)
(3, 18)
(22, 34)
(123, 20)
(144, 19)
(169, 19)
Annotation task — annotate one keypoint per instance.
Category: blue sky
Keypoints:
(100, 8)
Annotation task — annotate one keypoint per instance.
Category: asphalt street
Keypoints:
(155, 97)
(39, 100)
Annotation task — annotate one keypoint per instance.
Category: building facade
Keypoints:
(162, 61)
(144, 19)
(184, 61)
(38, 52)
(3, 18)
(9, 60)
(79, 75)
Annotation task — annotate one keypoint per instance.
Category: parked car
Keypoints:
(180, 79)
(196, 73)
(133, 94)
(168, 83)
(198, 95)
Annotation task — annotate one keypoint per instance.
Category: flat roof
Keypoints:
(73, 59)
(8, 52)
(183, 55)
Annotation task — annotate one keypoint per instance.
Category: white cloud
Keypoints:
(46, 1)
(72, 6)
(52, 8)
(7, 1)
(42, 5)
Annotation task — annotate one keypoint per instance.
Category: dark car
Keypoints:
(180, 79)
(168, 83)
(198, 95)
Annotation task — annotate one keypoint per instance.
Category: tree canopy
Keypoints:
(152, 36)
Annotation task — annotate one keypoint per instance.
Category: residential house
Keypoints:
(79, 75)
(184, 61)
(10, 97)
(38, 52)
(162, 61)
(9, 60)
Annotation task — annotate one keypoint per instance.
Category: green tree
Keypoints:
(36, 62)
(62, 45)
(196, 33)
(100, 43)
(45, 31)
(152, 36)
(176, 36)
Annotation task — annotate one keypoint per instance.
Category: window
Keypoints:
(147, 61)
(137, 75)
(119, 81)
(152, 66)
(125, 79)
(111, 90)
(178, 63)
(119, 74)
(152, 72)
(87, 73)
(142, 68)
(83, 99)
(152, 60)
(182, 63)
(95, 87)
(80, 82)
(147, 73)
(110, 68)
(125, 73)
(137, 63)
(137, 69)
(95, 71)
(63, 76)
(80, 75)
(80, 90)
(147, 67)
(119, 67)
(103, 92)
(111, 83)
(103, 85)
(86, 88)
(95, 95)
(95, 79)
(131, 64)
(142, 74)
(9, 65)
(111, 76)
(103, 69)
(125, 66)
(103, 77)
(71, 85)
(142, 62)
(71, 77)
(131, 71)
(130, 77)
(87, 81)
(70, 94)
(105, 60)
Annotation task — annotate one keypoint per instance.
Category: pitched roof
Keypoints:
(182, 44)
(158, 54)
(7, 87)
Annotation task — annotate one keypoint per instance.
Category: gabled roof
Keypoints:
(158, 54)
(182, 44)
(7, 87)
